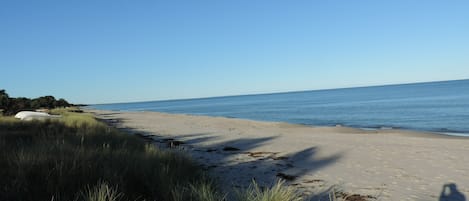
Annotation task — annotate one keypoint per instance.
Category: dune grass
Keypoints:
(278, 192)
(101, 192)
(77, 158)
(60, 159)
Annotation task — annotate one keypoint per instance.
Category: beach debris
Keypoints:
(286, 176)
(279, 158)
(30, 115)
(211, 150)
(259, 154)
(270, 155)
(228, 148)
(313, 181)
(354, 197)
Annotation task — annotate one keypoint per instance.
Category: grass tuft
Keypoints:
(206, 192)
(101, 192)
(278, 192)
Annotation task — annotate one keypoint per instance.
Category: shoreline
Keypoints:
(388, 164)
(382, 129)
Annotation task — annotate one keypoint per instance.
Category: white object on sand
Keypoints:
(29, 115)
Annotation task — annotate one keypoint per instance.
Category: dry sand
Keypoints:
(387, 164)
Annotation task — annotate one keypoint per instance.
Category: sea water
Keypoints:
(441, 107)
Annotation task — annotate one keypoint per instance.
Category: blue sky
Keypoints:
(121, 51)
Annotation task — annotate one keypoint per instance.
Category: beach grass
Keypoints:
(76, 155)
(278, 192)
(101, 192)
(78, 158)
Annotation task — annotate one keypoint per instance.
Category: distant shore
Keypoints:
(389, 164)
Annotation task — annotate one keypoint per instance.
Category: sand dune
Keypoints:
(387, 164)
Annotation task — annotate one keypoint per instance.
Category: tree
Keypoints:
(10, 106)
(44, 102)
(4, 99)
(18, 104)
(62, 103)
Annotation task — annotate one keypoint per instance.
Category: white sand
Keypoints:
(388, 164)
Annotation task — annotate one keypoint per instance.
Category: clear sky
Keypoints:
(122, 51)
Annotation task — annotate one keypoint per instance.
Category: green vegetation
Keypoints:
(279, 192)
(77, 158)
(11, 106)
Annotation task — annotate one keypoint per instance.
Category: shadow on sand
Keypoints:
(236, 163)
(238, 154)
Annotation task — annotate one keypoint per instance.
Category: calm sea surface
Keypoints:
(435, 106)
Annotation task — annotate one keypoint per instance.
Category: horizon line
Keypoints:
(281, 92)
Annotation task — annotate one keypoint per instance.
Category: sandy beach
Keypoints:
(383, 164)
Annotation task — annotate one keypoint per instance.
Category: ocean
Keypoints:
(441, 107)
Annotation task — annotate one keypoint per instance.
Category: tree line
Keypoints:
(11, 106)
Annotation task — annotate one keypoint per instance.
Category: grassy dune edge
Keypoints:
(79, 158)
